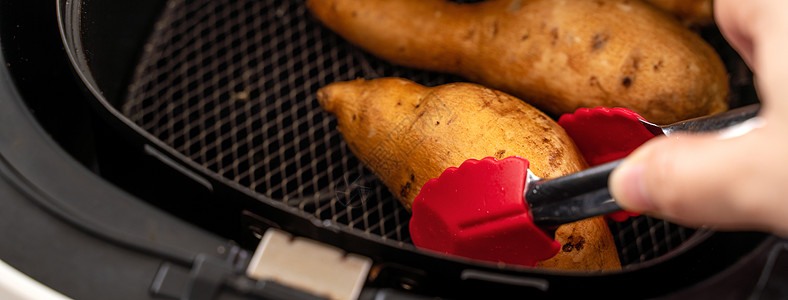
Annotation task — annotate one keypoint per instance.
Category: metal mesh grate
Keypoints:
(231, 84)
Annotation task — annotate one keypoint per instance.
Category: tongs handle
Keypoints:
(582, 195)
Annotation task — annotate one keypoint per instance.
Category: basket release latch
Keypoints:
(309, 266)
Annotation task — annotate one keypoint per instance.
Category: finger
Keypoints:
(731, 18)
(757, 30)
(698, 180)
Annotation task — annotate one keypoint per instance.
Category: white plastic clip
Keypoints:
(308, 265)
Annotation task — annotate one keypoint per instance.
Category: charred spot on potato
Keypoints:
(453, 117)
(412, 177)
(574, 243)
(494, 28)
(437, 123)
(553, 162)
(499, 154)
(556, 156)
(354, 117)
(543, 119)
(598, 41)
(594, 81)
(626, 82)
(658, 65)
(579, 244)
(524, 37)
(554, 35)
(630, 68)
(404, 190)
(635, 62)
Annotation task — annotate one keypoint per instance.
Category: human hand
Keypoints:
(732, 183)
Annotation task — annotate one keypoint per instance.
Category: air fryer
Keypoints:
(204, 114)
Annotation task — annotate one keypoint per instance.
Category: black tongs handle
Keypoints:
(582, 195)
(585, 194)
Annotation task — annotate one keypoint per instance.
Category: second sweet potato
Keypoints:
(555, 55)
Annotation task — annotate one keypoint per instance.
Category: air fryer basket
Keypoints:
(231, 84)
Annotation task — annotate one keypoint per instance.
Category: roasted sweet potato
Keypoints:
(407, 134)
(556, 55)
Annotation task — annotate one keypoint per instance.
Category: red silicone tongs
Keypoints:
(497, 210)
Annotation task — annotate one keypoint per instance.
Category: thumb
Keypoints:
(704, 179)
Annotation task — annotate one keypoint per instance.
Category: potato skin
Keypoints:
(557, 55)
(407, 134)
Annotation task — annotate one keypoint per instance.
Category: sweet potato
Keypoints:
(556, 55)
(407, 134)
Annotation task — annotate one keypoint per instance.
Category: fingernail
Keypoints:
(629, 189)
